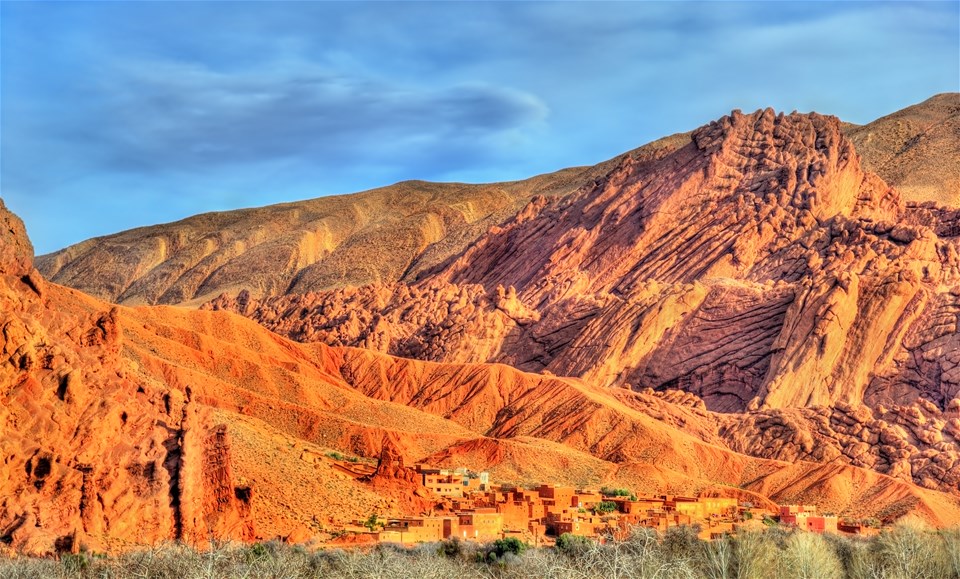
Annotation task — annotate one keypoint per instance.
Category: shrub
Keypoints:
(450, 548)
(951, 549)
(502, 547)
(681, 542)
(75, 563)
(755, 555)
(373, 522)
(605, 507)
(572, 545)
(809, 556)
(910, 549)
(717, 559)
(257, 551)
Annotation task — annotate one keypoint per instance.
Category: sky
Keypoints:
(116, 115)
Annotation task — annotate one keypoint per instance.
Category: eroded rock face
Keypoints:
(92, 456)
(16, 251)
(785, 283)
(758, 268)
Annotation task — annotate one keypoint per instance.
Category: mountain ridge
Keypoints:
(357, 239)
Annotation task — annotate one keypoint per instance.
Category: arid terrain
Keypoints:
(767, 306)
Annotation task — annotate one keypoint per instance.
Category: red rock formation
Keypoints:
(401, 483)
(126, 426)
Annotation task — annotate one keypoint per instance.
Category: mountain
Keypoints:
(393, 233)
(758, 268)
(745, 309)
(378, 236)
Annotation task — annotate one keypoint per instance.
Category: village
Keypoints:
(474, 509)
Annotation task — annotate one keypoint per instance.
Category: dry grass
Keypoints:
(909, 550)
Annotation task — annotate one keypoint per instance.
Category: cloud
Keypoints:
(187, 107)
(176, 116)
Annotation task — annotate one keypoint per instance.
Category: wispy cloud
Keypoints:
(184, 116)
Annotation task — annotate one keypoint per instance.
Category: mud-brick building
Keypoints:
(483, 524)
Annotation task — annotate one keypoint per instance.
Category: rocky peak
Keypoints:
(16, 251)
(744, 187)
(798, 161)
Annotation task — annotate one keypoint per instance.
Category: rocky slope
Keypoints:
(125, 426)
(917, 149)
(378, 236)
(759, 268)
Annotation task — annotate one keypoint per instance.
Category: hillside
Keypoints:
(917, 150)
(378, 236)
(125, 426)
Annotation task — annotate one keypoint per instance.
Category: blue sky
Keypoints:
(115, 115)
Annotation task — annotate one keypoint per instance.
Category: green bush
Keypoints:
(261, 551)
(373, 522)
(612, 492)
(451, 547)
(572, 545)
(605, 507)
(511, 545)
